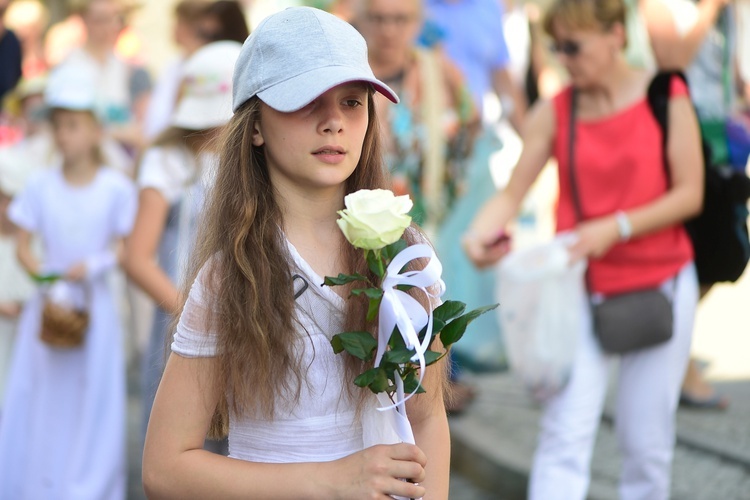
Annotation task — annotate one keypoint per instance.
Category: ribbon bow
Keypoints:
(399, 309)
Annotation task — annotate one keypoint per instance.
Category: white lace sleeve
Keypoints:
(194, 337)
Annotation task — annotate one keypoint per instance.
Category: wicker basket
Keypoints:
(63, 327)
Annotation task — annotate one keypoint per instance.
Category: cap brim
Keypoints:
(299, 91)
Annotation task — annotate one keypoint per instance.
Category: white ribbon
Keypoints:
(400, 309)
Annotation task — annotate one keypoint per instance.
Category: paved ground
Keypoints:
(494, 442)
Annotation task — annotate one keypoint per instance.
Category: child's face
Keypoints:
(76, 133)
(318, 146)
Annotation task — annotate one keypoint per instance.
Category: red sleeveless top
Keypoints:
(619, 166)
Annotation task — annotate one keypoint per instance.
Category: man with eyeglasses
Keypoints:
(10, 54)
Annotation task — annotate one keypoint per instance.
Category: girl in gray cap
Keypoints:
(251, 354)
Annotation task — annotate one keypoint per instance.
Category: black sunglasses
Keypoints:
(569, 48)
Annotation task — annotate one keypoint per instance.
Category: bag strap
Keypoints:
(571, 155)
(658, 102)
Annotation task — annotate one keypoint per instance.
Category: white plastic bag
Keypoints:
(541, 299)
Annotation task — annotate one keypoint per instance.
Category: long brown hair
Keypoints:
(242, 248)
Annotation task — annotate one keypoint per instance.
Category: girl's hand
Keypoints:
(595, 238)
(486, 249)
(378, 472)
(76, 272)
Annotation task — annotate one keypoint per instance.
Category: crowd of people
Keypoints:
(177, 213)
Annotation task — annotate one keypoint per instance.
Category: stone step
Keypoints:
(493, 444)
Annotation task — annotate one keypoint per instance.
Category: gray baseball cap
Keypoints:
(296, 55)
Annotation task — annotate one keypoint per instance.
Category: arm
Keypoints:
(682, 201)
(503, 85)
(25, 254)
(672, 49)
(176, 466)
(497, 212)
(140, 251)
(430, 426)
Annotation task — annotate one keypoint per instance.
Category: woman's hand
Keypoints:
(485, 249)
(378, 472)
(595, 238)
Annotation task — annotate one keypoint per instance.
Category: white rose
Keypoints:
(374, 219)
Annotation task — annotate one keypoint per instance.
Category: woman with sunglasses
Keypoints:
(630, 231)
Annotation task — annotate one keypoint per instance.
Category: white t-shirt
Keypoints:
(322, 426)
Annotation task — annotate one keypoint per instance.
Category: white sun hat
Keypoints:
(296, 55)
(71, 86)
(206, 92)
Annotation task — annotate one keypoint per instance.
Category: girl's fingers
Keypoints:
(412, 471)
(407, 453)
(406, 489)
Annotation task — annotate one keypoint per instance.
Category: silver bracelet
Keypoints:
(623, 225)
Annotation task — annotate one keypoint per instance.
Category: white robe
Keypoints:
(62, 435)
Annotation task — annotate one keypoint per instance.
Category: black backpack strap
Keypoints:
(658, 101)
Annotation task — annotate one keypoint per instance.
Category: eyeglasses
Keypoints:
(397, 20)
(569, 48)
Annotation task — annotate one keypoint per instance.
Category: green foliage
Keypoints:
(393, 249)
(449, 321)
(411, 383)
(454, 330)
(398, 356)
(370, 293)
(375, 378)
(343, 279)
(359, 344)
(375, 263)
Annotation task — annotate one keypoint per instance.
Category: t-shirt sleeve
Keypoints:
(25, 210)
(677, 87)
(160, 169)
(194, 337)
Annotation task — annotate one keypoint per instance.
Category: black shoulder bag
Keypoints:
(628, 321)
(719, 234)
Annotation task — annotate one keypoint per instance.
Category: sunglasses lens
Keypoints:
(567, 47)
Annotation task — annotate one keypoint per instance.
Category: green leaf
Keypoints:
(375, 263)
(404, 288)
(359, 344)
(454, 330)
(343, 279)
(431, 357)
(372, 309)
(398, 356)
(396, 341)
(448, 310)
(393, 249)
(364, 379)
(337, 344)
(411, 382)
(375, 378)
(372, 293)
(437, 325)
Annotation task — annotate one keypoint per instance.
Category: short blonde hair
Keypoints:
(584, 14)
